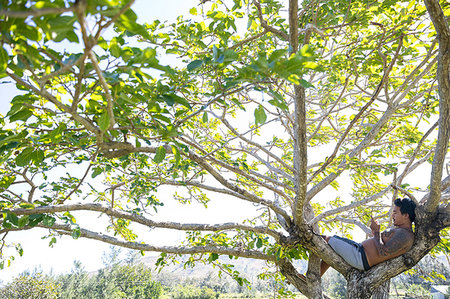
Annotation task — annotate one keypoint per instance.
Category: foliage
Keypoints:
(329, 91)
(117, 281)
(429, 271)
(417, 291)
(191, 292)
(33, 286)
(335, 285)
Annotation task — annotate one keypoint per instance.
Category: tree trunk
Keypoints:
(356, 289)
(382, 292)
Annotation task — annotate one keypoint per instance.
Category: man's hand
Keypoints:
(374, 226)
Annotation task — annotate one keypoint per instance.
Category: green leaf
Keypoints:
(76, 233)
(115, 49)
(37, 156)
(194, 64)
(24, 157)
(33, 220)
(305, 83)
(215, 52)
(48, 220)
(176, 153)
(12, 218)
(25, 205)
(57, 134)
(3, 59)
(61, 23)
(277, 54)
(259, 243)
(260, 115)
(104, 121)
(70, 218)
(22, 115)
(213, 257)
(171, 131)
(160, 154)
(6, 181)
(23, 221)
(278, 100)
(96, 172)
(171, 99)
(52, 241)
(205, 117)
(29, 32)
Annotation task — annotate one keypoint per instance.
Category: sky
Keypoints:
(60, 258)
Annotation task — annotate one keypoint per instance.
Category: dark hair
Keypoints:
(406, 205)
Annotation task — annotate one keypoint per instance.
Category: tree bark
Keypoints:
(382, 292)
(443, 75)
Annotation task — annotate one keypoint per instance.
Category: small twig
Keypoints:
(113, 19)
(406, 192)
(81, 180)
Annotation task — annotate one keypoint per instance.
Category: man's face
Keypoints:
(399, 218)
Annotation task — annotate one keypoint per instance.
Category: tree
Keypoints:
(116, 281)
(364, 83)
(35, 286)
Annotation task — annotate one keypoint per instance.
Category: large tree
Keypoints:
(255, 90)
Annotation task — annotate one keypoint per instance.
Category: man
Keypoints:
(382, 246)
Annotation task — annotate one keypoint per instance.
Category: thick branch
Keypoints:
(443, 75)
(66, 230)
(145, 221)
(439, 20)
(35, 13)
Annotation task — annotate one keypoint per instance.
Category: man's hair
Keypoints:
(408, 206)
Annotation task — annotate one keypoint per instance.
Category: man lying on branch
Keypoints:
(382, 246)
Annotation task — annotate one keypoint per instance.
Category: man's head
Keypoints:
(406, 207)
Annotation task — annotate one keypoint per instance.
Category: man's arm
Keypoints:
(397, 241)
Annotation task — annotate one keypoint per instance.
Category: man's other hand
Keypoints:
(374, 226)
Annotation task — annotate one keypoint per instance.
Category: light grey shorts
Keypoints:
(352, 252)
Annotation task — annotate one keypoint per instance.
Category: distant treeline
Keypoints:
(130, 278)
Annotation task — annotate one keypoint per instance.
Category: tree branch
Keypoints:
(264, 24)
(349, 207)
(250, 175)
(439, 20)
(361, 112)
(270, 154)
(87, 123)
(113, 19)
(443, 74)
(145, 221)
(67, 230)
(36, 12)
(250, 197)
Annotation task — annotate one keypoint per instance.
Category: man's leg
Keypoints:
(323, 267)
